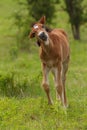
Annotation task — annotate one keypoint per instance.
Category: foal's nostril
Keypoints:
(43, 36)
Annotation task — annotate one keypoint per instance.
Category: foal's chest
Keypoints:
(50, 58)
(50, 63)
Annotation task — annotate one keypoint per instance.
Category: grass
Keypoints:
(31, 113)
(28, 109)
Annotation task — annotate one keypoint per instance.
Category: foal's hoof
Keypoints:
(50, 103)
(66, 106)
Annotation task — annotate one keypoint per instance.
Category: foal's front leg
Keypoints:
(45, 82)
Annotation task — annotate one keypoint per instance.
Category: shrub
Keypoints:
(13, 84)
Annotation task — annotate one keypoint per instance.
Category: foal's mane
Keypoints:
(48, 29)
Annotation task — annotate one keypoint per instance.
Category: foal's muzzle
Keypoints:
(43, 36)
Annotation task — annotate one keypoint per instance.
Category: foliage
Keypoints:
(11, 84)
(10, 87)
(39, 8)
(77, 15)
(21, 21)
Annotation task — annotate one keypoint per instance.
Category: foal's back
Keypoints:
(60, 42)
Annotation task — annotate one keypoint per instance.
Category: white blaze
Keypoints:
(35, 26)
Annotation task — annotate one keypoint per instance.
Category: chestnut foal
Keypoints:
(54, 55)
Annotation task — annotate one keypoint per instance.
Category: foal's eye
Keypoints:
(42, 26)
(33, 34)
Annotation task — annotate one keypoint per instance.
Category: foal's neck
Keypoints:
(47, 48)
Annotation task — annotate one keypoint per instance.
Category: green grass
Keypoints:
(28, 109)
(34, 114)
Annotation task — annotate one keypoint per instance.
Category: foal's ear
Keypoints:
(42, 20)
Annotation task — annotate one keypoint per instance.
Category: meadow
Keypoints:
(23, 103)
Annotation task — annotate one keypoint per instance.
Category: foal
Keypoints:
(54, 55)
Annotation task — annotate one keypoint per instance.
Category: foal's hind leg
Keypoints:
(45, 83)
(58, 82)
(65, 68)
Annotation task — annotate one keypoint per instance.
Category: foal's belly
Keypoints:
(51, 63)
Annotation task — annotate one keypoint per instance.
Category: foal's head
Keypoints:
(40, 31)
